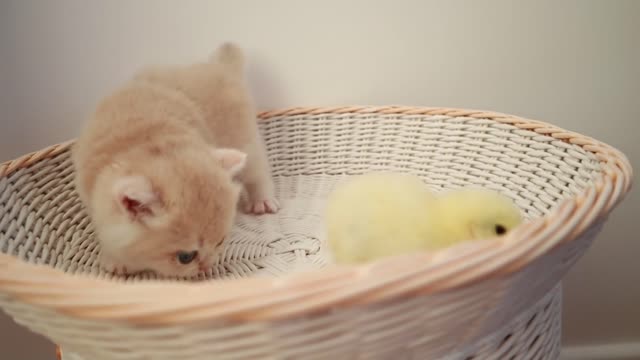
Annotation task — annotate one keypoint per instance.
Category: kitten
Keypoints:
(155, 166)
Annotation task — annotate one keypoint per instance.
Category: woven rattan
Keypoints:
(272, 296)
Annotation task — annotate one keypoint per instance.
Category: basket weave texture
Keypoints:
(274, 298)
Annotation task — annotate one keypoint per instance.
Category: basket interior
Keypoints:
(42, 221)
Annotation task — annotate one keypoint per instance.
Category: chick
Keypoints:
(385, 214)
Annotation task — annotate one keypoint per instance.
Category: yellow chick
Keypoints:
(384, 214)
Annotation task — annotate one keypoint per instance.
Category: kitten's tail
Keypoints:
(231, 56)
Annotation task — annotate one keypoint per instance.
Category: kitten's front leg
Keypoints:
(259, 187)
(260, 199)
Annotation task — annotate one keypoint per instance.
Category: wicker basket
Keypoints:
(489, 300)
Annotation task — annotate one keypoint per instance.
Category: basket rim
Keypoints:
(84, 296)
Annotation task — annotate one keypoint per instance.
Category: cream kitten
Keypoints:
(155, 166)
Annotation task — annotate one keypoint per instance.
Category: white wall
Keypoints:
(573, 63)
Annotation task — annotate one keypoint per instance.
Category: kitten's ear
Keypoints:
(135, 196)
(230, 159)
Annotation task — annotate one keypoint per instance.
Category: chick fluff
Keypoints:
(385, 214)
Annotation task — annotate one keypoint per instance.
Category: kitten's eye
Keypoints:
(500, 230)
(186, 257)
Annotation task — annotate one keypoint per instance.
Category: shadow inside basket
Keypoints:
(42, 220)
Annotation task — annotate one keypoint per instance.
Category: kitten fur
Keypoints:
(155, 165)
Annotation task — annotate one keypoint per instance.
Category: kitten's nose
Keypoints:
(203, 267)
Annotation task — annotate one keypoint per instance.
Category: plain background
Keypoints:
(575, 64)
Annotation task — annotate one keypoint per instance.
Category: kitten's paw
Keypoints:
(113, 267)
(259, 207)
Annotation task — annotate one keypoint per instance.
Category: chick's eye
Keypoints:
(500, 230)
(186, 257)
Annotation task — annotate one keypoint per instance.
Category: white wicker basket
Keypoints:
(491, 300)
